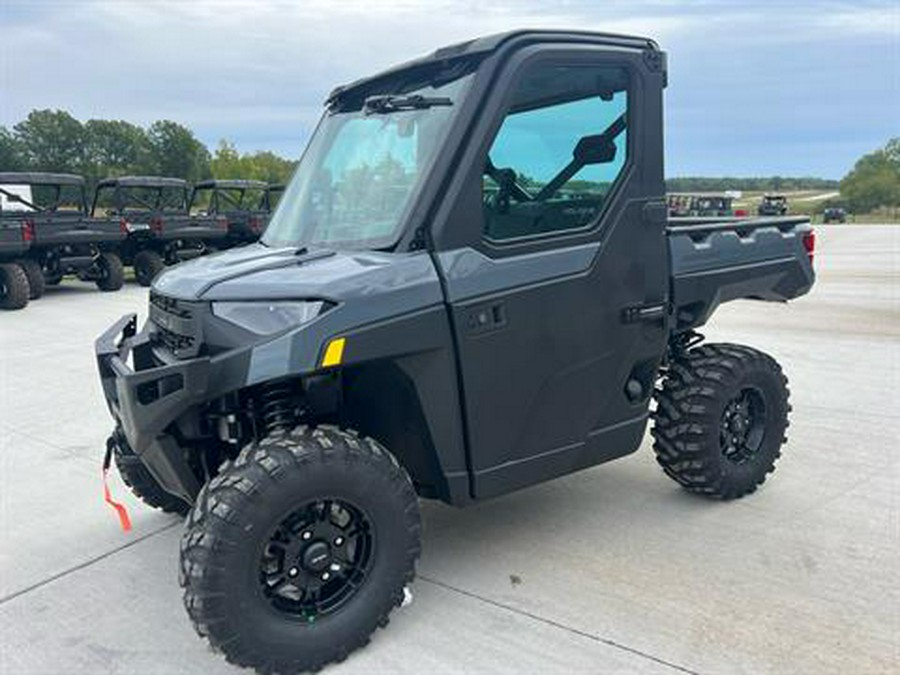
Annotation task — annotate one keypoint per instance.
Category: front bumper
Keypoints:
(148, 398)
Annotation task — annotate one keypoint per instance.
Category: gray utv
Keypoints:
(469, 286)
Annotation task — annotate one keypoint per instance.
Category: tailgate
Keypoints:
(195, 227)
(56, 229)
(13, 240)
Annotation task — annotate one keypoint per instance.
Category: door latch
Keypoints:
(642, 313)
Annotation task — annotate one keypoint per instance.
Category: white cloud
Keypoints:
(257, 72)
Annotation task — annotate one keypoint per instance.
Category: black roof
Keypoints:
(38, 178)
(231, 183)
(490, 43)
(143, 181)
(277, 187)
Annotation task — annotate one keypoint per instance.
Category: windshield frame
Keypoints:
(352, 102)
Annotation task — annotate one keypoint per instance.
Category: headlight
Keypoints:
(265, 318)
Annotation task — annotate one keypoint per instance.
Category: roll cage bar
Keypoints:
(594, 149)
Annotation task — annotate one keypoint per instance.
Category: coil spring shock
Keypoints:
(277, 407)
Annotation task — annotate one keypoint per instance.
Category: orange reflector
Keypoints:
(334, 353)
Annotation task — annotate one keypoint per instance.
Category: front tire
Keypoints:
(14, 289)
(111, 272)
(147, 264)
(140, 481)
(720, 419)
(299, 549)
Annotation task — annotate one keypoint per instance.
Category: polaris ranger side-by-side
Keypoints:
(154, 213)
(470, 286)
(15, 240)
(50, 212)
(773, 205)
(243, 203)
(700, 205)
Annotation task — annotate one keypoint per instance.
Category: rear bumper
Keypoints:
(143, 401)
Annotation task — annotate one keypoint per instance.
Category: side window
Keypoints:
(558, 152)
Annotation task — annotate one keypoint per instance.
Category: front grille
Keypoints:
(175, 325)
(170, 305)
(173, 341)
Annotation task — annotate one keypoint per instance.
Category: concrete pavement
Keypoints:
(614, 569)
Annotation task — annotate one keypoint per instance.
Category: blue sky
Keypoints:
(756, 88)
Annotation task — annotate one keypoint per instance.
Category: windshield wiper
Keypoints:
(387, 103)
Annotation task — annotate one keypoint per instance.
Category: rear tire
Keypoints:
(14, 288)
(35, 277)
(112, 273)
(147, 264)
(141, 483)
(720, 420)
(253, 584)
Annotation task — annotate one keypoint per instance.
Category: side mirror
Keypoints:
(597, 149)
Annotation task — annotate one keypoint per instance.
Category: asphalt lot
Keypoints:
(612, 570)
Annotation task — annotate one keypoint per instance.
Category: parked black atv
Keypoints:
(773, 205)
(62, 238)
(700, 205)
(442, 313)
(153, 211)
(243, 203)
(15, 241)
(834, 214)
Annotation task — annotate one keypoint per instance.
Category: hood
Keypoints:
(256, 272)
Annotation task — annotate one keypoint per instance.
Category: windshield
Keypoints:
(355, 181)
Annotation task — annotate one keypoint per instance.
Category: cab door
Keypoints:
(558, 300)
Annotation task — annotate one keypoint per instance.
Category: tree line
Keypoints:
(54, 141)
(754, 184)
(874, 181)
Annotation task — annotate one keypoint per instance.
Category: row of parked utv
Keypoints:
(48, 228)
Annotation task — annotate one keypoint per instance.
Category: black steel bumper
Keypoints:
(145, 399)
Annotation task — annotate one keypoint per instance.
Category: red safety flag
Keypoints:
(122, 512)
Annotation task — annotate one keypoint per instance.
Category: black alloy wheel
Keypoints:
(317, 558)
(743, 426)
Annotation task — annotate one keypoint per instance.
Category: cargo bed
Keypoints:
(714, 260)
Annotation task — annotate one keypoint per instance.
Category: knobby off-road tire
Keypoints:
(35, 276)
(112, 272)
(147, 264)
(14, 288)
(245, 536)
(720, 420)
(142, 484)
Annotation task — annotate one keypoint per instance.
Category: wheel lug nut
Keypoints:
(338, 541)
(306, 535)
(325, 576)
(335, 567)
(293, 572)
